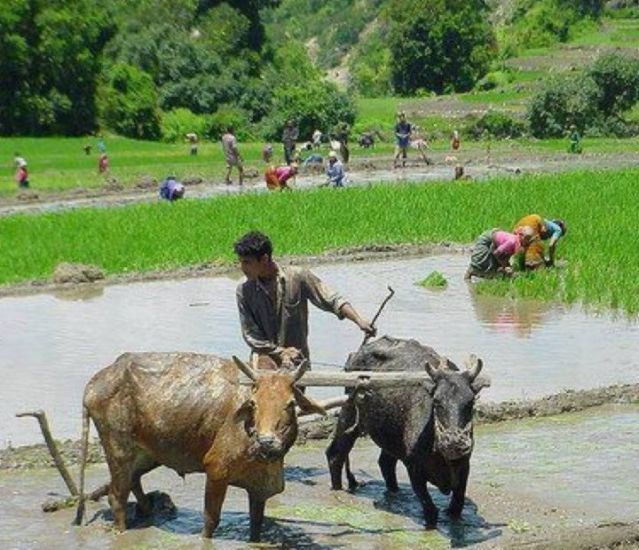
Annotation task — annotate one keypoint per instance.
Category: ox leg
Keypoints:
(213, 499)
(118, 496)
(346, 433)
(144, 504)
(256, 511)
(459, 492)
(418, 478)
(337, 454)
(387, 464)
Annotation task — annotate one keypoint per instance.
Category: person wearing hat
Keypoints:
(403, 131)
(543, 230)
(575, 141)
(171, 189)
(335, 171)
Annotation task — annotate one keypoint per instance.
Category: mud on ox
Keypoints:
(188, 412)
(428, 426)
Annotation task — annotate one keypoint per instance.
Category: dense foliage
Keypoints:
(439, 45)
(50, 61)
(61, 60)
(537, 23)
(593, 101)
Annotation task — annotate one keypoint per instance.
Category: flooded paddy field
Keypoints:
(530, 349)
(534, 483)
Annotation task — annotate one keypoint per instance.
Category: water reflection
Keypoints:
(56, 343)
(80, 293)
(520, 317)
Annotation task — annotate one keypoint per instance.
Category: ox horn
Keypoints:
(248, 371)
(433, 372)
(474, 365)
(301, 370)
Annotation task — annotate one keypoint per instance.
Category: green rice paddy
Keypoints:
(599, 257)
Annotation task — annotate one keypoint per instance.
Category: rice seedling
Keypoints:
(599, 257)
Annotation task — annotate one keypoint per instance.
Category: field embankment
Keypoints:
(599, 252)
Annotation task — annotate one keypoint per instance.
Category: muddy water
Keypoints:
(528, 479)
(56, 342)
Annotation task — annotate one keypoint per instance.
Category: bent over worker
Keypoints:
(543, 230)
(273, 302)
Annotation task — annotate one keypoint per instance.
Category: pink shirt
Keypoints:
(284, 173)
(506, 243)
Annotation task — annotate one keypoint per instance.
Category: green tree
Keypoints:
(617, 77)
(128, 103)
(50, 60)
(439, 45)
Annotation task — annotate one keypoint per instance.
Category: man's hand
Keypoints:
(290, 356)
(367, 328)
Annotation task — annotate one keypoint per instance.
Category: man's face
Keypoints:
(253, 267)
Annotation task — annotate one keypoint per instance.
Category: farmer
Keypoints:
(273, 302)
(171, 189)
(542, 230)
(317, 138)
(22, 172)
(455, 141)
(403, 131)
(335, 171)
(232, 156)
(192, 139)
(103, 163)
(575, 140)
(277, 177)
(492, 251)
(101, 145)
(342, 132)
(267, 153)
(289, 138)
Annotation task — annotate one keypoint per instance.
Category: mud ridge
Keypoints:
(37, 456)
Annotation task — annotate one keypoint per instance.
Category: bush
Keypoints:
(497, 124)
(229, 116)
(595, 102)
(179, 122)
(370, 66)
(617, 77)
(495, 79)
(540, 23)
(563, 102)
(128, 103)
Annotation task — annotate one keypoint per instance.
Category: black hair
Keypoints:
(254, 244)
(562, 225)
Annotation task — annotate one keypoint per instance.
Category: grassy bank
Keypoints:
(600, 249)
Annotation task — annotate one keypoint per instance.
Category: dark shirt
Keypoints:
(269, 325)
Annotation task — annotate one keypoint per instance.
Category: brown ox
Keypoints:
(188, 411)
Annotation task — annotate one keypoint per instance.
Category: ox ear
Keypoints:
(245, 411)
(479, 383)
(248, 371)
(306, 404)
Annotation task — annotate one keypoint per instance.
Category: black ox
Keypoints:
(427, 426)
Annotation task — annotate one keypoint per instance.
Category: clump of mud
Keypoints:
(76, 273)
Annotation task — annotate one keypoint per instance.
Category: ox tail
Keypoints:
(83, 462)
